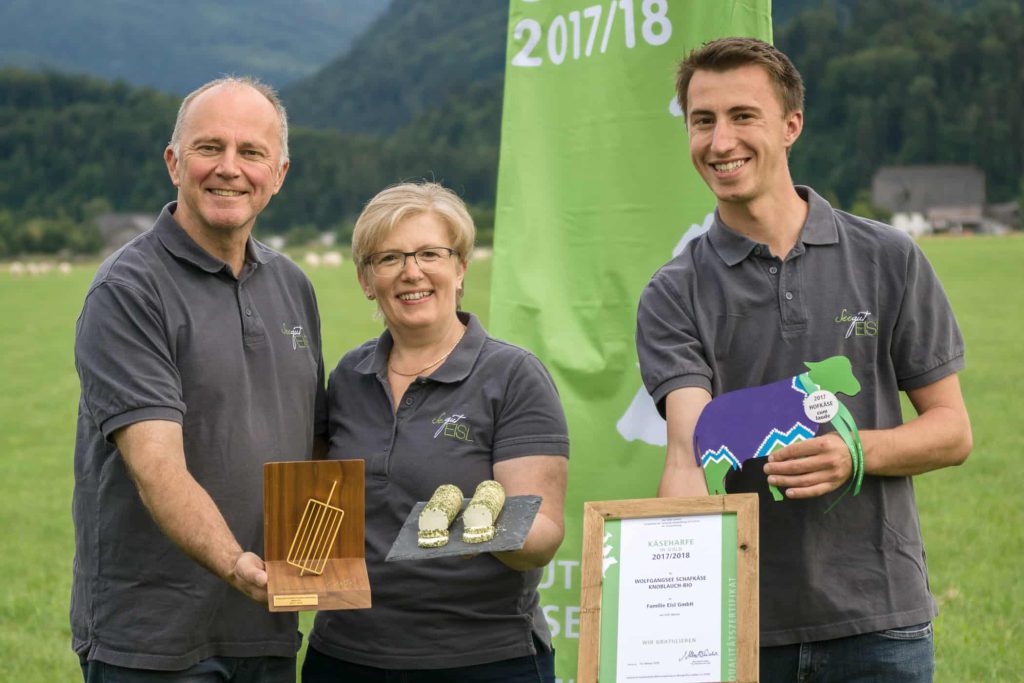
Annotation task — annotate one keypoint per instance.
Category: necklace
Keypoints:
(429, 365)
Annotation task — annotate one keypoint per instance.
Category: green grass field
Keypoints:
(972, 515)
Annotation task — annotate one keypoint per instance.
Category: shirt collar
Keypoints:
(454, 369)
(259, 252)
(178, 243)
(819, 228)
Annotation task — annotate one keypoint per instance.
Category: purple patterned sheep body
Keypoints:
(751, 423)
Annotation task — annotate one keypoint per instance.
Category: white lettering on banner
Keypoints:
(655, 29)
(551, 616)
(569, 626)
(572, 621)
(562, 620)
(548, 580)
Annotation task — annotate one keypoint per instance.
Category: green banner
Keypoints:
(728, 598)
(610, 599)
(595, 192)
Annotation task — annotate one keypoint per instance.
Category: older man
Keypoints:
(782, 278)
(198, 351)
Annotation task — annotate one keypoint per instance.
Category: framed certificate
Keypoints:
(670, 590)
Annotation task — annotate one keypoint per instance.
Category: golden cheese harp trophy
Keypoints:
(313, 518)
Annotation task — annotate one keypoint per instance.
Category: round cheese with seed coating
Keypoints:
(483, 511)
(437, 515)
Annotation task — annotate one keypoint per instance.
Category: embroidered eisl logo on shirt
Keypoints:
(453, 427)
(857, 324)
(299, 339)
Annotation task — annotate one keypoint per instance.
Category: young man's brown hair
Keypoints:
(724, 54)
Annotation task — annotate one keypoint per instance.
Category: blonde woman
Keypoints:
(436, 400)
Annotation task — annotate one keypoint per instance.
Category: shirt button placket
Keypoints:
(785, 298)
(389, 446)
(252, 325)
(244, 308)
(408, 401)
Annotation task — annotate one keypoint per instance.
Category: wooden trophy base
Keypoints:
(343, 585)
(301, 500)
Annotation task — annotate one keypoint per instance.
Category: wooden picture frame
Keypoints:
(660, 515)
(328, 497)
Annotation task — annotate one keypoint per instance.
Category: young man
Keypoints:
(782, 278)
(198, 351)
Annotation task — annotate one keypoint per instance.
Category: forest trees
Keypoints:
(909, 82)
(888, 82)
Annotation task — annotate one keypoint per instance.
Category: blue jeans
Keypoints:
(212, 670)
(899, 655)
(539, 668)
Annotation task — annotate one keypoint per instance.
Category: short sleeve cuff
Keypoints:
(931, 376)
(166, 413)
(661, 392)
(540, 444)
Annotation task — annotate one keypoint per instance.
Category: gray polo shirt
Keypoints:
(725, 314)
(168, 333)
(489, 402)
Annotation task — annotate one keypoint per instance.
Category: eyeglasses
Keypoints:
(428, 259)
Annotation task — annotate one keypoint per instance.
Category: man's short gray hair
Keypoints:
(237, 81)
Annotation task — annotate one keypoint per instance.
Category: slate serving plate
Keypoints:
(513, 524)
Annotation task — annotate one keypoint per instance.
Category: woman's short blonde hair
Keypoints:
(396, 203)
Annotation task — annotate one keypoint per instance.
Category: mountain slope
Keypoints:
(177, 46)
(413, 56)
